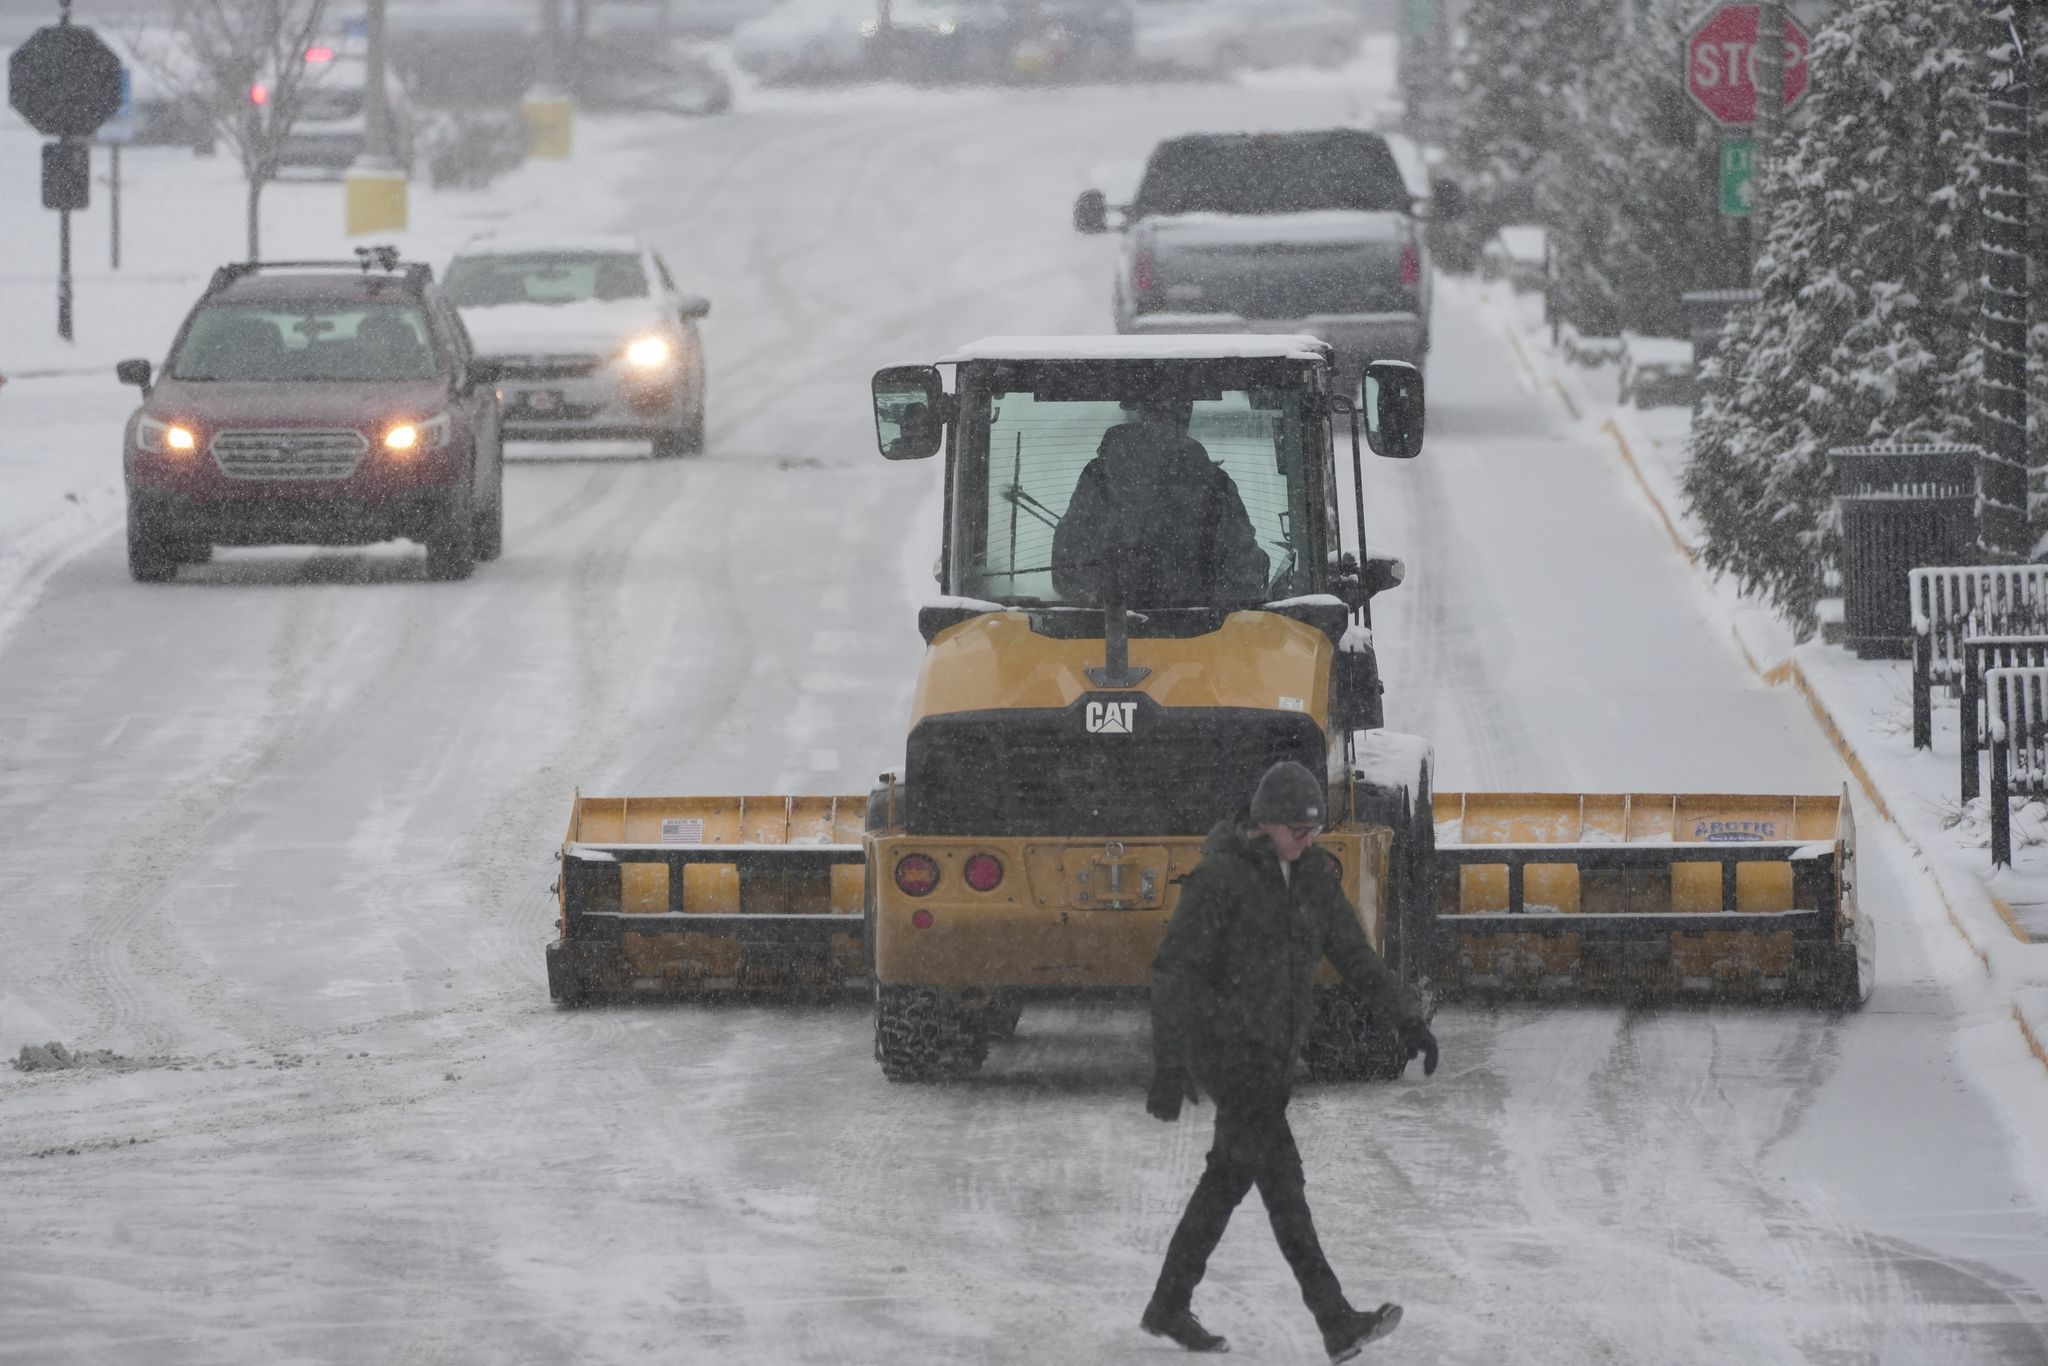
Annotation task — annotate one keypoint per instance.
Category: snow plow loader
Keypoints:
(1149, 600)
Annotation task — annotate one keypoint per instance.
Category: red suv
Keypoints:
(316, 403)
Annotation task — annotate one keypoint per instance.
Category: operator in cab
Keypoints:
(1154, 522)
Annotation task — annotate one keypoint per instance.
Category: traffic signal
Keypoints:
(67, 174)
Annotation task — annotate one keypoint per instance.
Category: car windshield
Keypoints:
(1273, 173)
(545, 278)
(1075, 486)
(326, 342)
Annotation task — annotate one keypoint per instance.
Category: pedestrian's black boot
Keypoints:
(1181, 1326)
(1345, 1338)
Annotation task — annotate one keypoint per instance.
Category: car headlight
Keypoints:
(165, 438)
(430, 434)
(650, 352)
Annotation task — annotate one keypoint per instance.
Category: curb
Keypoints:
(2032, 1032)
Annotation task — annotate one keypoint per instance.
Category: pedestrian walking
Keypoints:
(1232, 999)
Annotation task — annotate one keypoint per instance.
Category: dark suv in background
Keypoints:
(315, 403)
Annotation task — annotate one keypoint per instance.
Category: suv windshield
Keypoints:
(325, 342)
(544, 278)
(1087, 487)
(1255, 173)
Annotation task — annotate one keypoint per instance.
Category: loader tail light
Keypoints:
(984, 872)
(1411, 266)
(917, 874)
(1141, 271)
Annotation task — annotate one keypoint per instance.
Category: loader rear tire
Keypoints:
(918, 1037)
(1346, 1042)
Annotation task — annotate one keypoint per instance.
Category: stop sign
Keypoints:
(64, 81)
(1720, 63)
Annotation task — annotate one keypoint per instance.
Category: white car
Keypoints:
(592, 337)
(1221, 36)
(809, 40)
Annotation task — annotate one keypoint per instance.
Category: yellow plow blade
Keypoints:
(1649, 895)
(701, 895)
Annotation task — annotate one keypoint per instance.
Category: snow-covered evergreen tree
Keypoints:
(1630, 189)
(1867, 326)
(1517, 59)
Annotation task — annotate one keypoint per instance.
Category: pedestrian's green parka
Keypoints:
(1233, 985)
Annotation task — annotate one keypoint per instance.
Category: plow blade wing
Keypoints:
(701, 895)
(1649, 896)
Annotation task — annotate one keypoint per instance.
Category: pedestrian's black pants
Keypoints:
(1253, 1147)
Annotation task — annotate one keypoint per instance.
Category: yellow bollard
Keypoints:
(548, 119)
(374, 200)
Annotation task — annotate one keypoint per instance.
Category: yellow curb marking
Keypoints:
(1670, 527)
(2027, 1032)
(2010, 916)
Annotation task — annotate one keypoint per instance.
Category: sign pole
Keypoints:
(64, 274)
(114, 206)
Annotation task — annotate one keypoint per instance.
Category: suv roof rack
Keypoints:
(414, 276)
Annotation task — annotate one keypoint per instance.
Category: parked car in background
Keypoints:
(1216, 37)
(333, 124)
(1518, 254)
(1006, 40)
(809, 40)
(334, 404)
(590, 336)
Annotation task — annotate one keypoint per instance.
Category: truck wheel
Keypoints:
(920, 1038)
(490, 521)
(451, 546)
(152, 549)
(1346, 1042)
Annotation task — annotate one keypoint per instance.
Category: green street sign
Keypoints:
(1738, 177)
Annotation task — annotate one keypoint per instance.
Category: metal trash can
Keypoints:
(1901, 508)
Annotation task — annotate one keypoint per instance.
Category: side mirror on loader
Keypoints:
(1393, 409)
(910, 407)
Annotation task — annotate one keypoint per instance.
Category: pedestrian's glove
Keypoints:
(1416, 1038)
(1169, 1087)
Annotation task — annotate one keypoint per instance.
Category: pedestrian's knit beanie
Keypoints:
(1288, 795)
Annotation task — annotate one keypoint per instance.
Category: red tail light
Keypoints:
(984, 872)
(1411, 266)
(1141, 271)
(917, 874)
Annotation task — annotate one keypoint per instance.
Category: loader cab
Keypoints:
(1178, 477)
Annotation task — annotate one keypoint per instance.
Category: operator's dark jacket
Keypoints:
(1233, 985)
(1154, 522)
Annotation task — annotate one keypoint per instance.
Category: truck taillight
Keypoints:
(1411, 266)
(984, 872)
(917, 874)
(1141, 271)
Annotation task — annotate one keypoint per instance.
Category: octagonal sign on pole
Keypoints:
(1720, 64)
(64, 81)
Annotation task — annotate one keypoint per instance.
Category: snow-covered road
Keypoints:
(279, 835)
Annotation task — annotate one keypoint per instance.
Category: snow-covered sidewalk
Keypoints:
(1865, 706)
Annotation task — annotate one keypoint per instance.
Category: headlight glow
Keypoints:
(403, 438)
(648, 353)
(947, 26)
(870, 27)
(164, 438)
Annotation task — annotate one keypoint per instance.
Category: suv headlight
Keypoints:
(165, 438)
(429, 434)
(651, 352)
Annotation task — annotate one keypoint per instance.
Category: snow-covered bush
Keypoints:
(1867, 325)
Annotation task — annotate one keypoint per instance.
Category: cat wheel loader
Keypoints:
(1082, 718)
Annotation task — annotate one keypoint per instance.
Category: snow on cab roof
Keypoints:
(525, 244)
(1158, 346)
